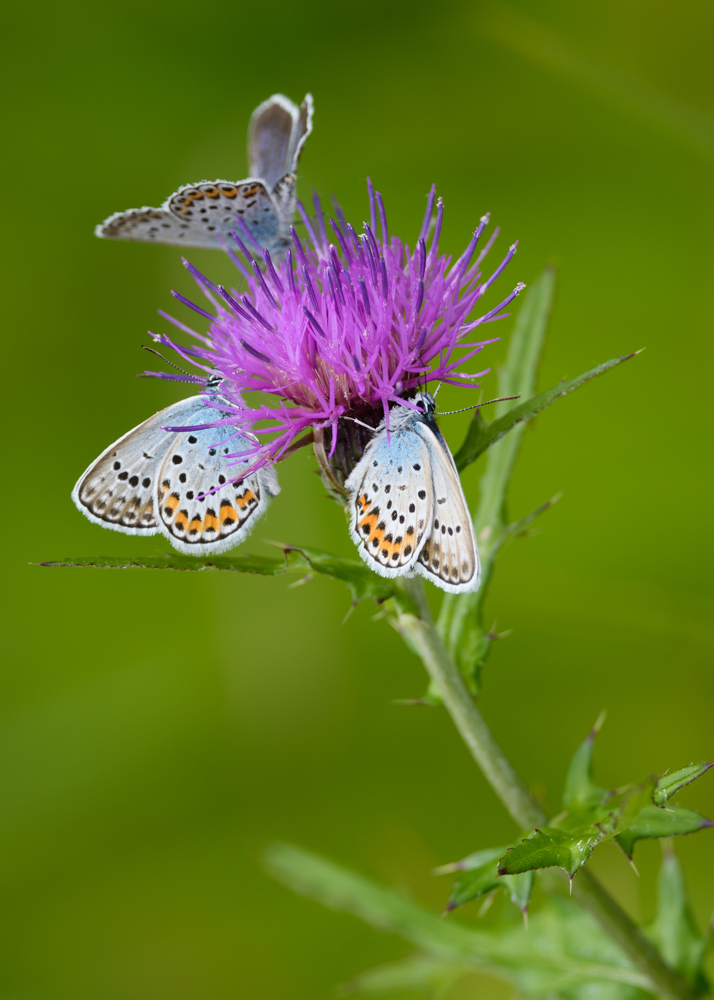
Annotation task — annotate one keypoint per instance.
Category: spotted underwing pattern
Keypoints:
(408, 513)
(204, 214)
(153, 481)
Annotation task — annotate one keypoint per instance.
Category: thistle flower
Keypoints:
(346, 326)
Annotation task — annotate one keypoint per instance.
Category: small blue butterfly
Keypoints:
(203, 215)
(154, 481)
(408, 513)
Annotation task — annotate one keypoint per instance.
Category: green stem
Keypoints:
(420, 631)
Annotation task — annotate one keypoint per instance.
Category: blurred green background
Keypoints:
(156, 730)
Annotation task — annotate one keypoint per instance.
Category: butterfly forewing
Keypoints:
(449, 556)
(193, 518)
(277, 132)
(391, 499)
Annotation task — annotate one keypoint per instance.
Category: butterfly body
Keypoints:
(408, 513)
(204, 214)
(155, 481)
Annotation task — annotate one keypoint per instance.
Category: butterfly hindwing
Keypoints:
(391, 499)
(117, 490)
(149, 481)
(198, 214)
(196, 520)
(408, 513)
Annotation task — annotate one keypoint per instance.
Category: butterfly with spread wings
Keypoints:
(203, 215)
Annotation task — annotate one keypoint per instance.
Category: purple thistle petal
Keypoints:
(429, 211)
(433, 251)
(340, 214)
(372, 207)
(382, 219)
(341, 240)
(255, 352)
(313, 322)
(506, 260)
(320, 217)
(263, 286)
(299, 247)
(385, 280)
(192, 305)
(306, 221)
(249, 236)
(233, 303)
(310, 289)
(270, 268)
(291, 272)
(365, 296)
(243, 249)
(236, 260)
(251, 308)
(199, 278)
(355, 241)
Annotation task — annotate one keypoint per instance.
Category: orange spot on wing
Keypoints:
(210, 521)
(228, 513)
(244, 500)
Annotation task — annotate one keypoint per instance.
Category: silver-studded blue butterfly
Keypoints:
(155, 481)
(408, 513)
(203, 215)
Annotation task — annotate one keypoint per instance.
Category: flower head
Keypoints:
(344, 327)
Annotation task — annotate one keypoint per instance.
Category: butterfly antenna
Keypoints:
(361, 423)
(477, 406)
(152, 350)
(436, 391)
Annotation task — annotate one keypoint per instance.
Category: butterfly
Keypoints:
(408, 513)
(153, 481)
(200, 215)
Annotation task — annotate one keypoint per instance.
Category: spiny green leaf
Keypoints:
(473, 884)
(669, 784)
(415, 973)
(363, 583)
(519, 887)
(674, 930)
(551, 847)
(653, 821)
(562, 948)
(485, 435)
(259, 565)
(360, 579)
(580, 791)
(482, 877)
(341, 889)
(472, 861)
